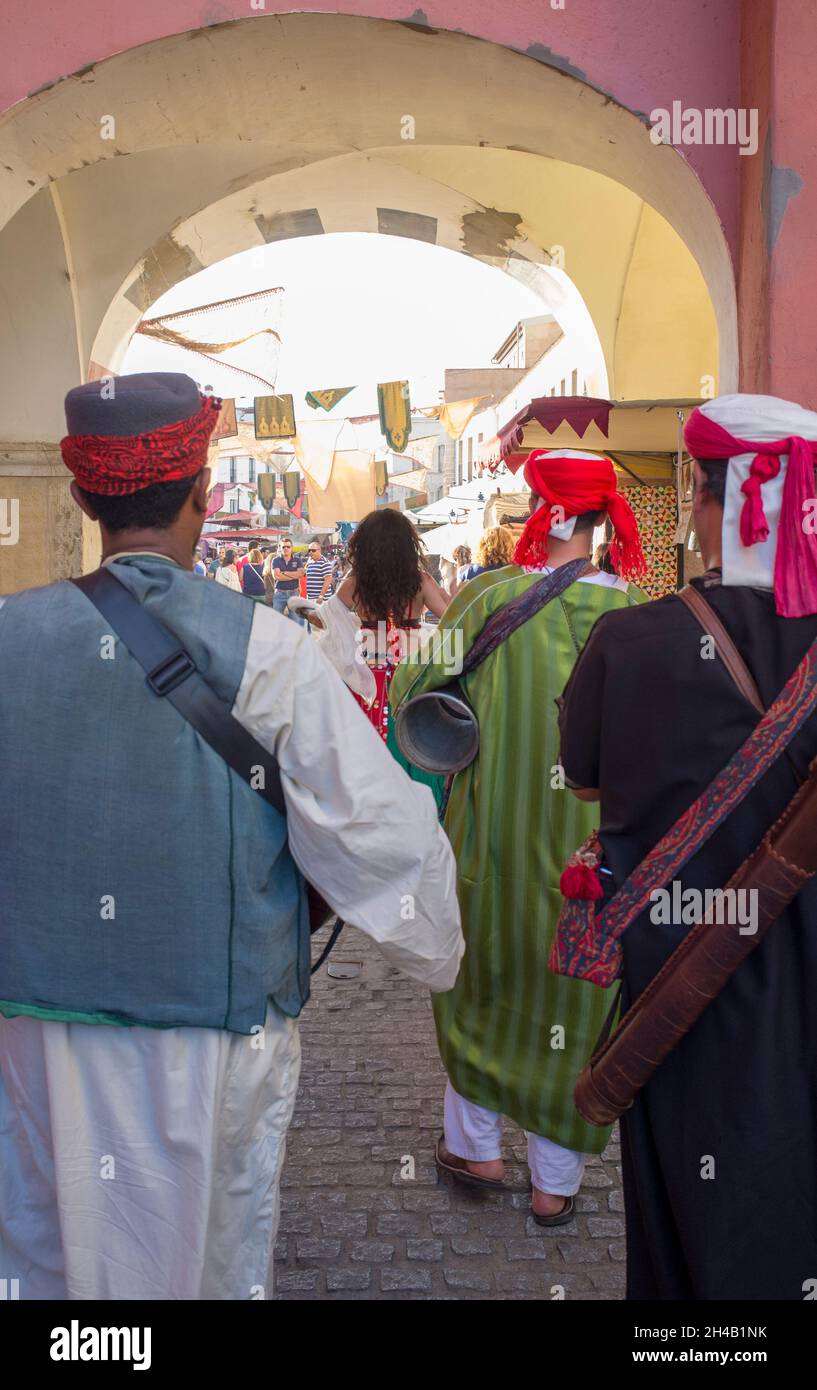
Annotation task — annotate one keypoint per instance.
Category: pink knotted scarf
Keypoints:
(795, 565)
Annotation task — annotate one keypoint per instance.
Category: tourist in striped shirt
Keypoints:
(318, 574)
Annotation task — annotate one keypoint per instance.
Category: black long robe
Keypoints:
(650, 721)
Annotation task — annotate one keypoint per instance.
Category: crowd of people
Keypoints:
(602, 718)
(271, 574)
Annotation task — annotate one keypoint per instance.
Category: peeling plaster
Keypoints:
(164, 266)
(783, 184)
(488, 233)
(419, 20)
(282, 226)
(417, 225)
(542, 54)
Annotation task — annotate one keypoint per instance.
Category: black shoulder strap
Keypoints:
(172, 675)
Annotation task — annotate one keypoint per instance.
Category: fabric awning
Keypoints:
(641, 437)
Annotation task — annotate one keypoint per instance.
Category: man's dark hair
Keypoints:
(151, 508)
(588, 521)
(714, 470)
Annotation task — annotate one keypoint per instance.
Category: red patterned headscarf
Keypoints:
(117, 465)
(571, 483)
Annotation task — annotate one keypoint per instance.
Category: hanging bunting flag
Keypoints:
(327, 400)
(226, 425)
(274, 417)
(395, 413)
(266, 490)
(350, 492)
(381, 477)
(292, 486)
(455, 417)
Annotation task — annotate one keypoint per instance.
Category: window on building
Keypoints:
(574, 382)
(233, 474)
(470, 457)
(252, 465)
(562, 387)
(233, 504)
(440, 457)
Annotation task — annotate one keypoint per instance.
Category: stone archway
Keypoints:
(287, 125)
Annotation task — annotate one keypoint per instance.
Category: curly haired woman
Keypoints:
(375, 618)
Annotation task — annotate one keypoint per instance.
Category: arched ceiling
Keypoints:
(226, 138)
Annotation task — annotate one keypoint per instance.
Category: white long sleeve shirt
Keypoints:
(361, 831)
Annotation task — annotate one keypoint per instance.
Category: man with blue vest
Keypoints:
(153, 961)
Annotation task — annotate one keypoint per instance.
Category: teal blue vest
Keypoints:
(141, 880)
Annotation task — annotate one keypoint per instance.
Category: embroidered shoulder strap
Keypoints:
(779, 725)
(511, 616)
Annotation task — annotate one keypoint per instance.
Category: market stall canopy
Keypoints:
(643, 438)
(444, 540)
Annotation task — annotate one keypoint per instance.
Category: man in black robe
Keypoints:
(720, 1147)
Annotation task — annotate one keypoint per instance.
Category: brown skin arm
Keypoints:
(435, 599)
(586, 793)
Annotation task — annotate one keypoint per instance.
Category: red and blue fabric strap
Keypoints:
(781, 722)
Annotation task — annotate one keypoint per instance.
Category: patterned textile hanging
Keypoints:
(226, 425)
(394, 406)
(381, 477)
(292, 486)
(266, 490)
(656, 512)
(327, 400)
(274, 417)
(245, 325)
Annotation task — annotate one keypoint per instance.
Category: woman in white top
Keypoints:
(227, 572)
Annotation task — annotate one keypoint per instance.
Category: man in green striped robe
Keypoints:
(512, 1035)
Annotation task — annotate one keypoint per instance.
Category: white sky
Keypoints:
(358, 308)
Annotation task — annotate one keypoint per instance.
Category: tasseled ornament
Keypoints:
(580, 879)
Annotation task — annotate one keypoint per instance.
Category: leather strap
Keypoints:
(724, 646)
(703, 964)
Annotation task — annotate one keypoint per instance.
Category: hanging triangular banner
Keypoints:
(327, 400)
(395, 413)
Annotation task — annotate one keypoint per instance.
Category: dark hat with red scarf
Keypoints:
(127, 432)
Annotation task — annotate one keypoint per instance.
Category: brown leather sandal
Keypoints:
(458, 1168)
(560, 1218)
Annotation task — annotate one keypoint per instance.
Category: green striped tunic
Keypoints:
(512, 1035)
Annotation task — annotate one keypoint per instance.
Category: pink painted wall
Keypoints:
(645, 53)
(791, 205)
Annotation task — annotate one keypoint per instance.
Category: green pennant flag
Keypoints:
(327, 400)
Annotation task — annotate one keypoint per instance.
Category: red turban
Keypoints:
(117, 465)
(572, 483)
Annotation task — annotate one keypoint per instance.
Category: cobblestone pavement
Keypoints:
(354, 1227)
